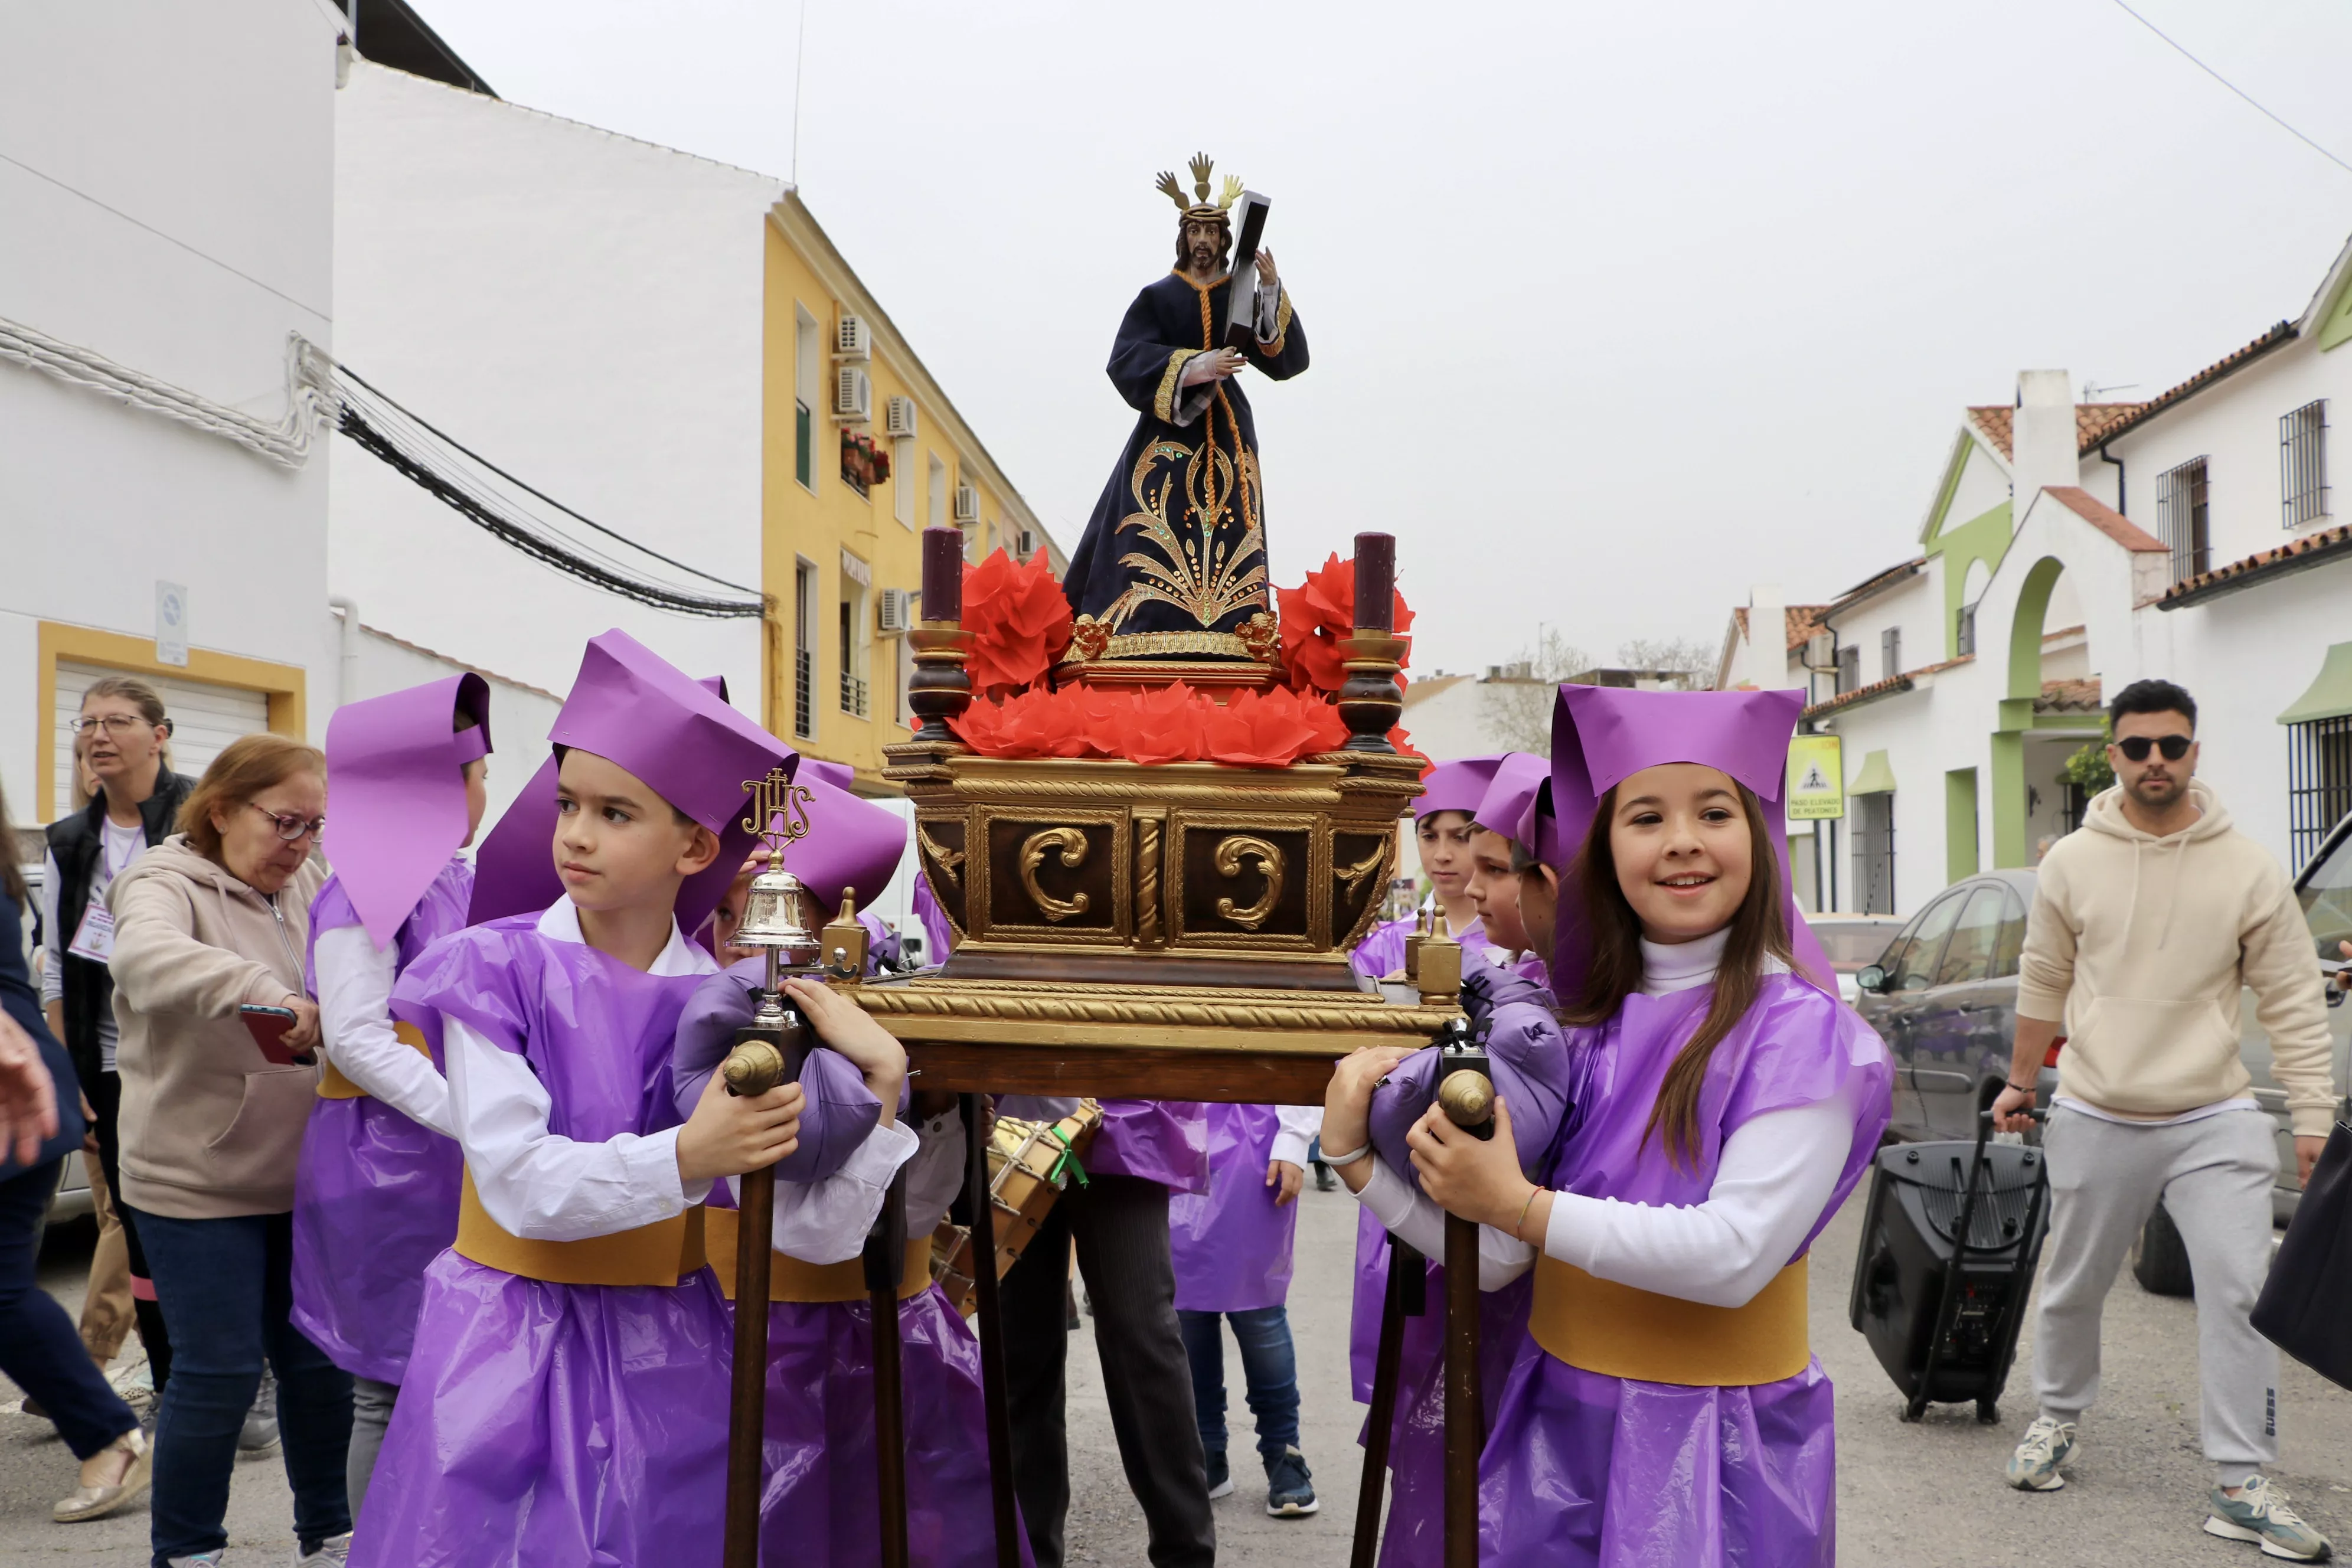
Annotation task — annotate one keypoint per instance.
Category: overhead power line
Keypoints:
(2234, 86)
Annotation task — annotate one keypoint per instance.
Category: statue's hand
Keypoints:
(1214, 366)
(1265, 275)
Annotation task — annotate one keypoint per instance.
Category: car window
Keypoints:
(1917, 969)
(2009, 946)
(2325, 892)
(1967, 956)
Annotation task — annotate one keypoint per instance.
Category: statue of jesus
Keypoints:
(1173, 563)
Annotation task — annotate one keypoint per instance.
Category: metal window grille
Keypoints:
(2318, 782)
(2302, 465)
(2076, 801)
(2182, 519)
(804, 657)
(1890, 653)
(1967, 639)
(1874, 853)
(856, 695)
(804, 441)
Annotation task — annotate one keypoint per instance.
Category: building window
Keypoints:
(808, 362)
(1874, 853)
(803, 652)
(1890, 653)
(2181, 515)
(2303, 464)
(1966, 642)
(1849, 668)
(854, 697)
(2318, 783)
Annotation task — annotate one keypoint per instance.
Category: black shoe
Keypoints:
(1289, 1486)
(1220, 1476)
(1324, 1180)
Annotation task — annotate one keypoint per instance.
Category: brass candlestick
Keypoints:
(940, 687)
(1370, 699)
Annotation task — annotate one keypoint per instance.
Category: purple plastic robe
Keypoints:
(939, 935)
(1381, 953)
(1230, 1244)
(837, 1109)
(545, 1423)
(1583, 1469)
(1164, 1141)
(1535, 1070)
(375, 1194)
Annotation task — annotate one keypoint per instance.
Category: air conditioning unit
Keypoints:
(1028, 543)
(853, 394)
(899, 418)
(1820, 651)
(896, 610)
(853, 339)
(967, 505)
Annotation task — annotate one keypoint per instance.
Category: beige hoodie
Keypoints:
(211, 1127)
(2139, 945)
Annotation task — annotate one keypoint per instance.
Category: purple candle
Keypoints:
(943, 575)
(1375, 582)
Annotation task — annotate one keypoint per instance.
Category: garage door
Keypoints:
(204, 718)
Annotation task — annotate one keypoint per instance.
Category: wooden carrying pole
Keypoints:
(1464, 1425)
(1405, 1295)
(747, 1412)
(886, 1260)
(991, 1333)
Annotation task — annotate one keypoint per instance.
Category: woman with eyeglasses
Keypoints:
(122, 741)
(211, 921)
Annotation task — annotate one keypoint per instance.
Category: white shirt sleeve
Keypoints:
(355, 979)
(826, 1222)
(535, 1185)
(935, 1176)
(1298, 1124)
(53, 943)
(1421, 1225)
(1774, 1176)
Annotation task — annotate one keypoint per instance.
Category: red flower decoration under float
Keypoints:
(1019, 620)
(1314, 617)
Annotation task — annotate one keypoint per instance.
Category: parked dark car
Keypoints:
(1944, 997)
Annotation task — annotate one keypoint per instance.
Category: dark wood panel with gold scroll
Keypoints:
(1247, 881)
(1058, 878)
(1362, 865)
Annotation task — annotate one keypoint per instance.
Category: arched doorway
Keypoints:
(2049, 709)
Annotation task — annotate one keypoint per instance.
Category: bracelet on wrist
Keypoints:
(1335, 1161)
(1533, 1194)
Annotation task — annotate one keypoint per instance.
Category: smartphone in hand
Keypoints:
(269, 1025)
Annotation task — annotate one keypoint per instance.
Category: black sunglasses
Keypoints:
(2174, 747)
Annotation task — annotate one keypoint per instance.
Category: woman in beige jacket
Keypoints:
(213, 920)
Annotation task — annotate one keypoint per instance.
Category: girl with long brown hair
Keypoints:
(1726, 1104)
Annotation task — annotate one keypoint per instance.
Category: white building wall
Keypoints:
(520, 716)
(1915, 605)
(1983, 485)
(209, 132)
(582, 309)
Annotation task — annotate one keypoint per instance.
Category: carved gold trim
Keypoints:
(1316, 826)
(1153, 645)
(1071, 843)
(1147, 831)
(1272, 865)
(1193, 1007)
(1352, 877)
(948, 861)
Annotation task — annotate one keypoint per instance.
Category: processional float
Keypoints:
(1174, 932)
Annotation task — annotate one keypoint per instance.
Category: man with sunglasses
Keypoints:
(2146, 925)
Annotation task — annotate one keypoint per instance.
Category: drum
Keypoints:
(1029, 1163)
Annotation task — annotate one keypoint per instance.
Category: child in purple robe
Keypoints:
(818, 1501)
(1231, 1247)
(566, 1399)
(1441, 825)
(375, 1193)
(1376, 1097)
(1666, 1407)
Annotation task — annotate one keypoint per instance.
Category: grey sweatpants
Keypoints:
(371, 1414)
(2214, 1176)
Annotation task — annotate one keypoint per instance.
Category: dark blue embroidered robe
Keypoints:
(1173, 563)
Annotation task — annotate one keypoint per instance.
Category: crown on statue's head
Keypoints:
(1201, 206)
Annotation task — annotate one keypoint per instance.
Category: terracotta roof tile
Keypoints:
(1801, 622)
(2283, 332)
(2093, 423)
(2070, 697)
(1886, 688)
(2295, 555)
(2106, 519)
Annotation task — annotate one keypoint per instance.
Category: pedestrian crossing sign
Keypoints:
(1816, 790)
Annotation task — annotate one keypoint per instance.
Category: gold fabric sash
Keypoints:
(661, 1253)
(1619, 1331)
(333, 1085)
(791, 1279)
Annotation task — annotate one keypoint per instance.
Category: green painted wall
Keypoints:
(2335, 326)
(1959, 824)
(2022, 689)
(1982, 538)
(2008, 800)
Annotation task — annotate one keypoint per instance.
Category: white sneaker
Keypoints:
(331, 1552)
(2048, 1444)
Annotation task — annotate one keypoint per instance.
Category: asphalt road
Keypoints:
(1928, 1496)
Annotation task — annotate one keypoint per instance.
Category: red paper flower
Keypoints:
(1315, 616)
(1018, 618)
(1164, 726)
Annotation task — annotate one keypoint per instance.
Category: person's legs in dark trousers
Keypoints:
(1270, 1365)
(1205, 1348)
(1120, 1226)
(226, 1285)
(105, 1091)
(40, 1351)
(1032, 1301)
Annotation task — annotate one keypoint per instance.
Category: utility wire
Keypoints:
(2234, 86)
(440, 435)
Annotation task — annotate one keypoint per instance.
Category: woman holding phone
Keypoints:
(217, 1085)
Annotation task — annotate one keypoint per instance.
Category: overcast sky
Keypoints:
(1615, 310)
